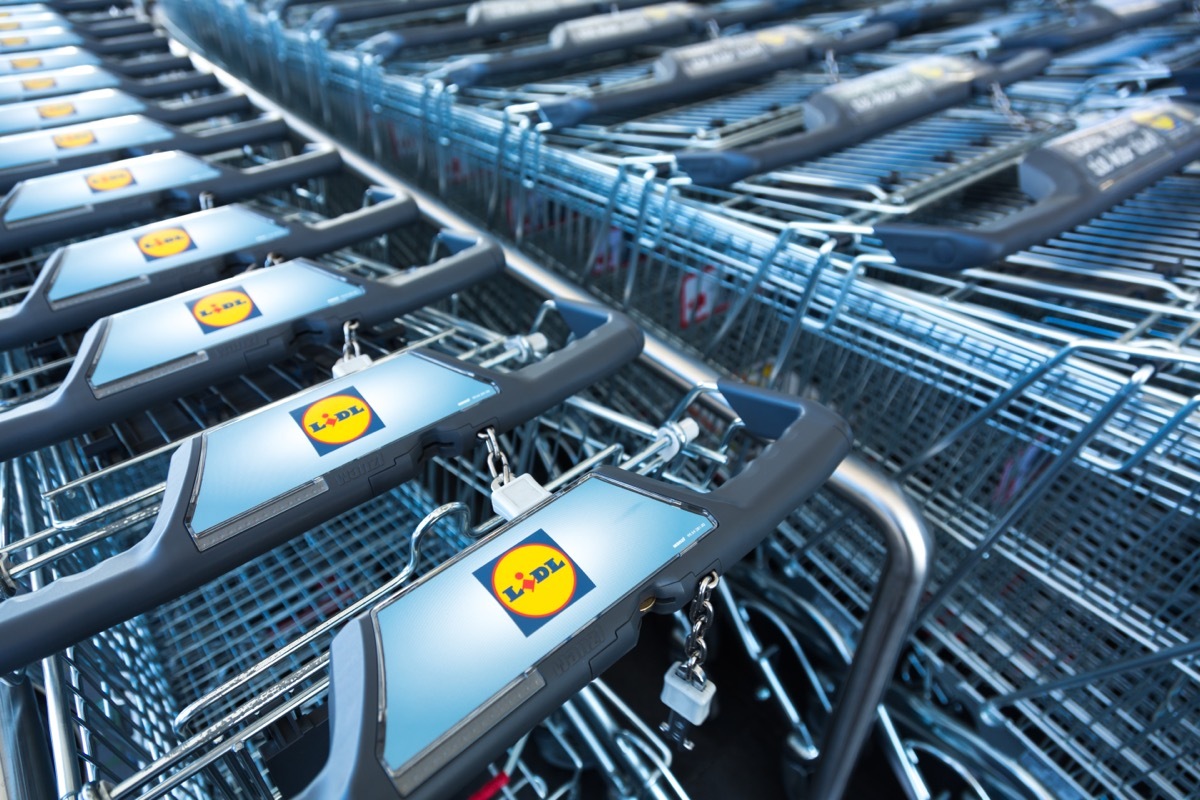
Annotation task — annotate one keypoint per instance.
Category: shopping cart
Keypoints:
(115, 37)
(69, 291)
(1121, 277)
(45, 84)
(32, 155)
(1053, 28)
(228, 512)
(57, 58)
(574, 432)
(43, 210)
(1059, 185)
(218, 331)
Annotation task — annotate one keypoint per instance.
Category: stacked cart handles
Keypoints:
(217, 512)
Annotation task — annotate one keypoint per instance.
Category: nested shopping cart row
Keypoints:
(1045, 424)
(157, 439)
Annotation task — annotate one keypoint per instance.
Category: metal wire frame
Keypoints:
(1129, 276)
(1104, 538)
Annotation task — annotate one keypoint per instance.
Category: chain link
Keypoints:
(350, 349)
(1003, 106)
(831, 66)
(701, 617)
(502, 473)
(207, 200)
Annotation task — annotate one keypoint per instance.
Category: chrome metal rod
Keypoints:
(910, 554)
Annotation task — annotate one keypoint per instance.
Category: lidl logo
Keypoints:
(772, 38)
(25, 63)
(55, 110)
(109, 180)
(164, 242)
(337, 420)
(10, 26)
(38, 84)
(1161, 122)
(534, 581)
(14, 41)
(74, 139)
(222, 309)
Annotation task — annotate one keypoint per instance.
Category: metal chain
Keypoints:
(207, 200)
(701, 617)
(350, 349)
(1003, 106)
(8, 586)
(831, 66)
(501, 474)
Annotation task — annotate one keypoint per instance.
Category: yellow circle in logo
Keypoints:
(54, 110)
(929, 71)
(25, 63)
(772, 38)
(73, 139)
(222, 309)
(10, 26)
(165, 242)
(14, 41)
(339, 419)
(534, 580)
(37, 84)
(1162, 122)
(109, 179)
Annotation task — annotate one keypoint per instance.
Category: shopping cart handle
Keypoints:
(148, 65)
(117, 26)
(486, 19)
(864, 38)
(683, 72)
(908, 14)
(1072, 179)
(219, 331)
(198, 108)
(102, 104)
(857, 109)
(53, 207)
(580, 38)
(235, 491)
(325, 19)
(121, 45)
(430, 685)
(83, 282)
(1017, 67)
(171, 85)
(27, 156)
(1092, 22)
